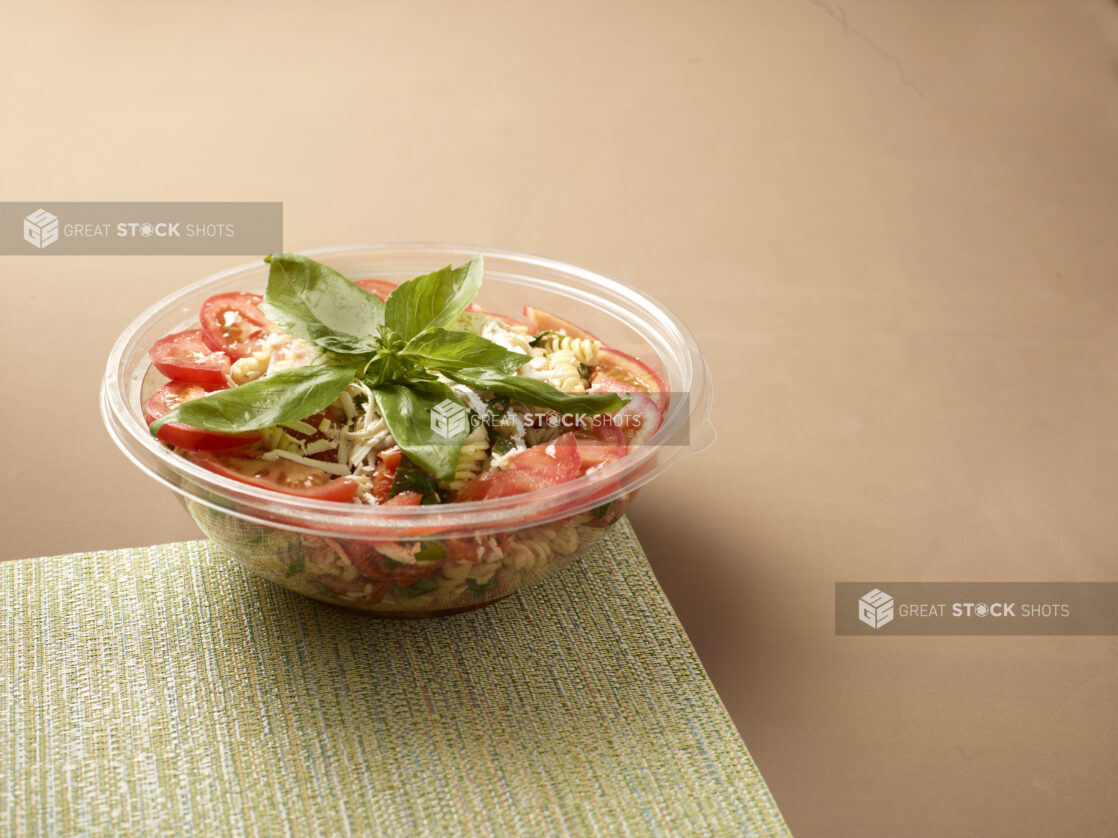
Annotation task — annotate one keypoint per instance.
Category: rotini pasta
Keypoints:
(471, 459)
(565, 372)
(251, 368)
(584, 350)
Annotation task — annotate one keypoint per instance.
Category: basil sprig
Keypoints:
(394, 347)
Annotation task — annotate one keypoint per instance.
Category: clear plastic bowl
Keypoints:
(357, 556)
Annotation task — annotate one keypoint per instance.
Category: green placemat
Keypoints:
(163, 691)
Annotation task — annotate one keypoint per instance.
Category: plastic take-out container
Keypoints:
(427, 560)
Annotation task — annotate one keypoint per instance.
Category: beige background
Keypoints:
(892, 226)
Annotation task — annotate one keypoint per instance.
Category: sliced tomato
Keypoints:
(170, 396)
(639, 419)
(233, 324)
(539, 467)
(548, 322)
(387, 463)
(184, 356)
(280, 475)
(629, 370)
(602, 443)
(379, 288)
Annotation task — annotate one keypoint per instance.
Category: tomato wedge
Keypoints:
(548, 322)
(629, 370)
(387, 463)
(170, 396)
(184, 356)
(379, 288)
(557, 460)
(539, 467)
(233, 324)
(600, 444)
(279, 475)
(500, 484)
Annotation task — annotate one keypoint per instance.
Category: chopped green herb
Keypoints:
(423, 586)
(602, 511)
(477, 588)
(411, 478)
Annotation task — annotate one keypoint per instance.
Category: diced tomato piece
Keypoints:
(387, 463)
(462, 549)
(233, 324)
(407, 575)
(367, 560)
(404, 499)
(548, 322)
(557, 460)
(183, 356)
(626, 369)
(499, 484)
(602, 443)
(279, 475)
(170, 396)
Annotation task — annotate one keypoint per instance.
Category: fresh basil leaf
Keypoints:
(443, 350)
(407, 411)
(434, 299)
(470, 321)
(412, 478)
(283, 396)
(316, 302)
(535, 392)
(388, 367)
(346, 345)
(423, 586)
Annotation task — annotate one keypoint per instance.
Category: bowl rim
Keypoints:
(606, 484)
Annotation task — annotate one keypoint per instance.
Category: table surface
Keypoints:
(892, 227)
(164, 691)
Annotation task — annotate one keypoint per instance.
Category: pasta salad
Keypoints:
(362, 391)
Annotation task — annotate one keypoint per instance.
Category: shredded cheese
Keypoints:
(329, 468)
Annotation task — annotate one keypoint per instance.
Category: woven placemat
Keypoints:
(164, 691)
